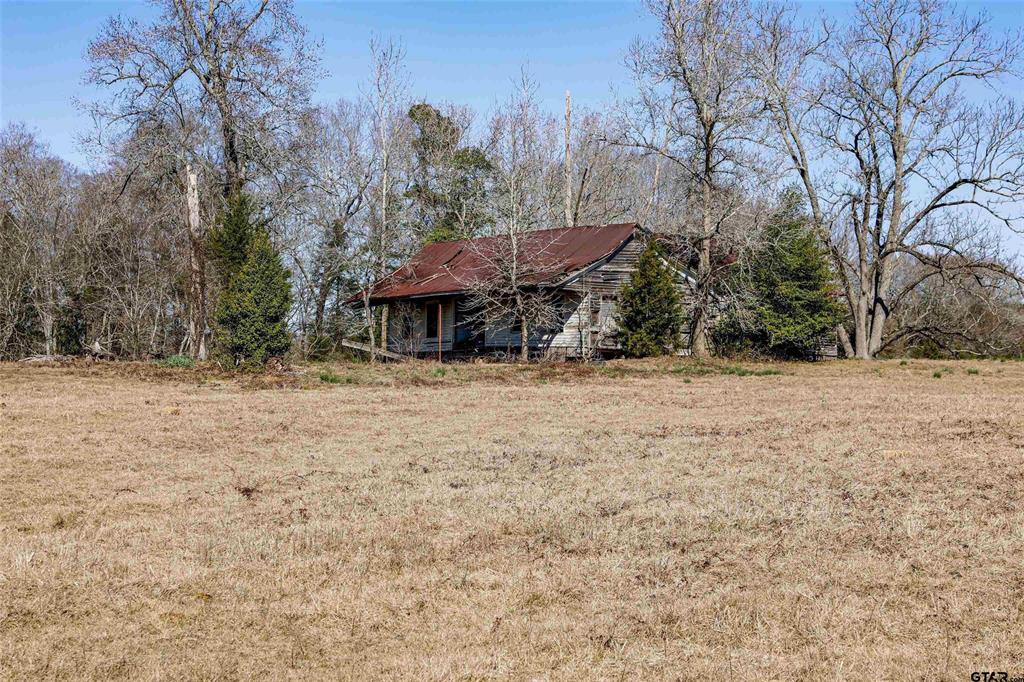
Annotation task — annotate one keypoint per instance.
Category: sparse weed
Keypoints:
(329, 377)
(972, 370)
(177, 361)
(734, 370)
(695, 370)
(741, 371)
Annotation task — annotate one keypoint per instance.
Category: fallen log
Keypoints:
(39, 359)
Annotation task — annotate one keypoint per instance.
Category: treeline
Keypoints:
(767, 152)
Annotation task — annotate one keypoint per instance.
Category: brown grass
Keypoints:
(657, 520)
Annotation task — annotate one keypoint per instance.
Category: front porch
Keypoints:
(450, 327)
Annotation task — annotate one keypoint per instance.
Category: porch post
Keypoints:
(440, 330)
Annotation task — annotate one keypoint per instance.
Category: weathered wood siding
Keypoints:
(573, 335)
(609, 278)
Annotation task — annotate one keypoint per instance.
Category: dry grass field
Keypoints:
(661, 520)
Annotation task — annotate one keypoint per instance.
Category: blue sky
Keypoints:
(462, 52)
(467, 53)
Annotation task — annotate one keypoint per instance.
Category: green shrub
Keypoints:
(439, 372)
(791, 286)
(972, 370)
(329, 377)
(182, 361)
(252, 316)
(937, 375)
(697, 370)
(650, 318)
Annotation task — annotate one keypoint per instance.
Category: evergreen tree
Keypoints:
(252, 317)
(792, 286)
(230, 237)
(449, 180)
(650, 313)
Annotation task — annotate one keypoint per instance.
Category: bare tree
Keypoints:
(608, 182)
(959, 316)
(567, 162)
(898, 160)
(330, 213)
(409, 333)
(505, 286)
(239, 68)
(387, 98)
(126, 276)
(697, 109)
(37, 191)
(245, 66)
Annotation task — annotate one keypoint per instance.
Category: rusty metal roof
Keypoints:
(450, 267)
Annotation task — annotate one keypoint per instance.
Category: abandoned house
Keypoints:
(433, 304)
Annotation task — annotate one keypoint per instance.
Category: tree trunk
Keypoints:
(46, 321)
(880, 307)
(320, 312)
(844, 340)
(233, 181)
(384, 326)
(569, 220)
(197, 269)
(878, 318)
(370, 326)
(524, 340)
(860, 342)
(699, 346)
(861, 324)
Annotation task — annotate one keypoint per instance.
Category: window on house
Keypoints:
(516, 327)
(430, 310)
(602, 309)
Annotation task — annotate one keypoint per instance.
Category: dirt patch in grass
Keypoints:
(630, 519)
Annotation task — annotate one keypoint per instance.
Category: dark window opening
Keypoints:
(431, 311)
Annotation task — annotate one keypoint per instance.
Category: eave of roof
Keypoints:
(447, 268)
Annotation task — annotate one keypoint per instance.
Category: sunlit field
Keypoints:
(660, 520)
